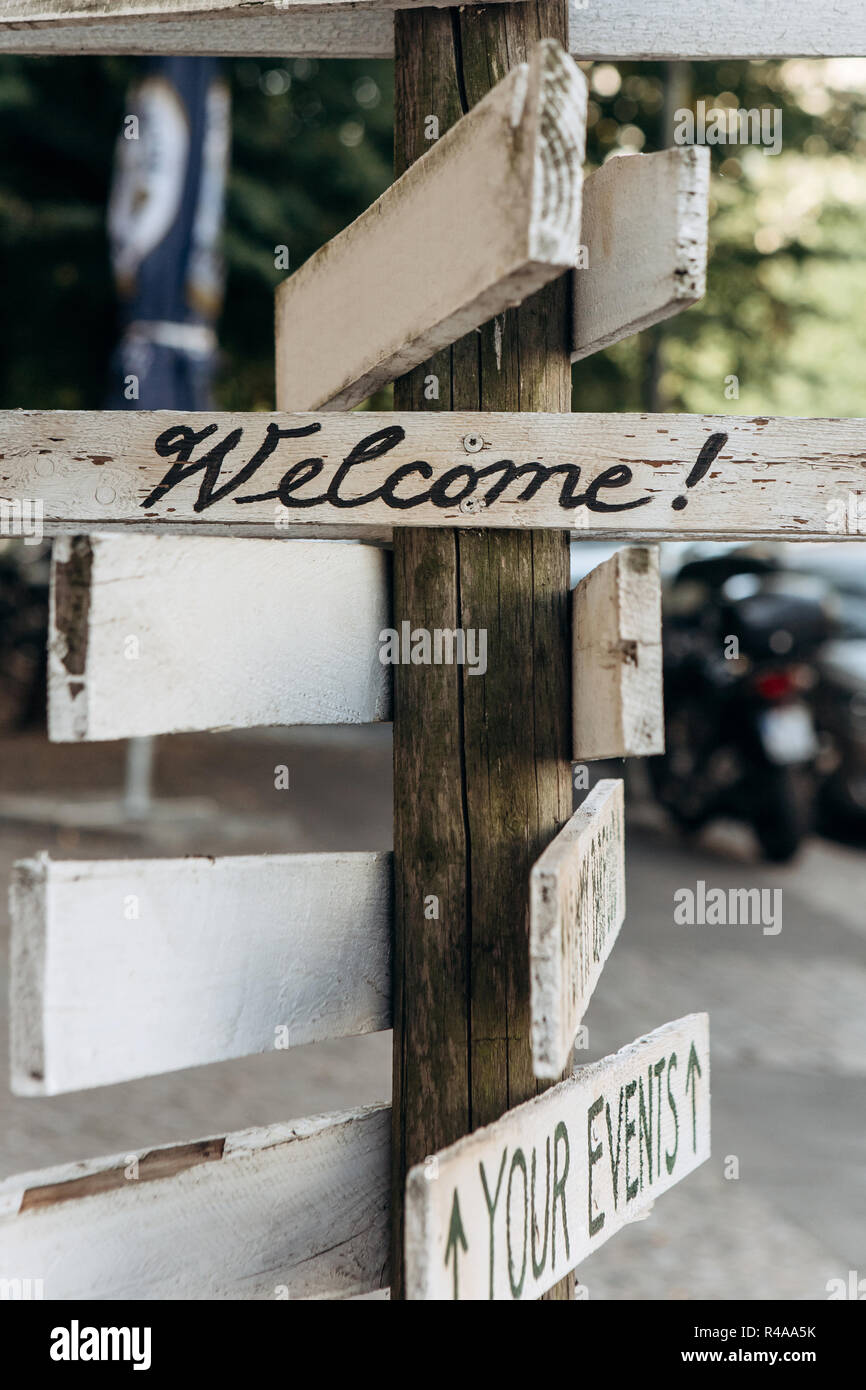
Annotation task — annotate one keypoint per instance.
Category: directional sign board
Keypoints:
(508, 1211)
(676, 477)
(136, 967)
(618, 708)
(644, 231)
(291, 1210)
(489, 215)
(576, 908)
(318, 28)
(156, 634)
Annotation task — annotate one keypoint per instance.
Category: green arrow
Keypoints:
(694, 1066)
(455, 1234)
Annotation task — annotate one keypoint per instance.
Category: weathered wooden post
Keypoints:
(503, 913)
(481, 762)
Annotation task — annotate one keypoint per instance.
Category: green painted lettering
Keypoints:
(593, 1155)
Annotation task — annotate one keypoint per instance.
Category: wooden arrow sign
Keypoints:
(489, 215)
(274, 634)
(137, 967)
(576, 908)
(617, 658)
(644, 231)
(641, 477)
(297, 1210)
(633, 29)
(509, 1210)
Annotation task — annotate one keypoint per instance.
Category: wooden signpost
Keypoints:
(137, 967)
(506, 1212)
(365, 474)
(576, 908)
(275, 634)
(504, 903)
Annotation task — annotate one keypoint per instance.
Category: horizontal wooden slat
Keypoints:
(620, 476)
(617, 658)
(632, 29)
(696, 29)
(297, 1210)
(508, 1211)
(155, 634)
(576, 908)
(645, 232)
(488, 215)
(136, 967)
(320, 32)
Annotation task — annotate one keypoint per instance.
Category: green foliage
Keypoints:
(312, 149)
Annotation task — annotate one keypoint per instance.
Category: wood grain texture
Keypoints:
(635, 29)
(617, 648)
(486, 217)
(296, 1210)
(137, 967)
(482, 781)
(606, 477)
(645, 232)
(321, 32)
(274, 634)
(577, 906)
(745, 29)
(505, 1212)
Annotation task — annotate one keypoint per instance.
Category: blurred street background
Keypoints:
(764, 782)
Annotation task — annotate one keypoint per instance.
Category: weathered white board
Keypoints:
(320, 32)
(643, 477)
(618, 705)
(487, 216)
(645, 232)
(743, 29)
(632, 29)
(296, 1210)
(137, 967)
(155, 634)
(576, 908)
(508, 1211)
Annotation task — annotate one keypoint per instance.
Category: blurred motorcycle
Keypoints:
(740, 637)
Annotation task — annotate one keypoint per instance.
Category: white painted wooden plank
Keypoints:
(155, 634)
(137, 967)
(618, 709)
(487, 216)
(645, 232)
(296, 1210)
(743, 29)
(321, 32)
(643, 477)
(508, 1211)
(634, 29)
(576, 908)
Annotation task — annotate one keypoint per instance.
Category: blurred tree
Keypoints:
(312, 149)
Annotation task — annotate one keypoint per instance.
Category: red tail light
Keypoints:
(777, 685)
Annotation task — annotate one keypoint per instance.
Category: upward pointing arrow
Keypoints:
(455, 1234)
(694, 1066)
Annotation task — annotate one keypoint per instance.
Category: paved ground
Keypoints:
(788, 1013)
